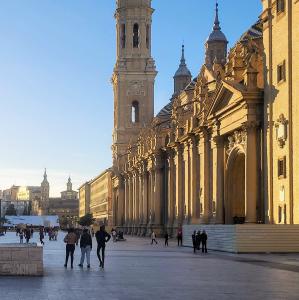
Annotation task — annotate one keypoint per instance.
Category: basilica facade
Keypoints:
(222, 151)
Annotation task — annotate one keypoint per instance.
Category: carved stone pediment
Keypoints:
(224, 98)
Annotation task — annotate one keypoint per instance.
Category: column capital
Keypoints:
(251, 125)
(217, 141)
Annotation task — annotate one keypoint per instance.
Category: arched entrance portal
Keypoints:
(235, 187)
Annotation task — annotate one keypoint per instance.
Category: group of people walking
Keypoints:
(199, 239)
(71, 239)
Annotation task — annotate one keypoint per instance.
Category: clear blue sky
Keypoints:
(56, 61)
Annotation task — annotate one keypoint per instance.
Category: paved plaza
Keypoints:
(137, 270)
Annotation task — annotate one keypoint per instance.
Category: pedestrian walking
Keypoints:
(204, 238)
(31, 232)
(166, 237)
(27, 235)
(55, 234)
(180, 236)
(86, 246)
(92, 232)
(102, 237)
(153, 237)
(70, 240)
(194, 241)
(21, 236)
(198, 239)
(41, 236)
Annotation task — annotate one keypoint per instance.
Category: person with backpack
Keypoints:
(70, 240)
(86, 246)
(102, 237)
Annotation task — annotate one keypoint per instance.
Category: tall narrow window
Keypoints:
(135, 112)
(280, 6)
(281, 167)
(281, 72)
(123, 36)
(136, 35)
(147, 36)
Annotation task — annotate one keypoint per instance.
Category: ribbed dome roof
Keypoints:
(183, 69)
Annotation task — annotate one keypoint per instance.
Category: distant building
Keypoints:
(96, 198)
(35, 200)
(67, 206)
(84, 199)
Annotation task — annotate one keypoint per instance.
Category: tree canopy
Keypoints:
(86, 220)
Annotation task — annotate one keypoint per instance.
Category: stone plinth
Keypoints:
(248, 238)
(21, 260)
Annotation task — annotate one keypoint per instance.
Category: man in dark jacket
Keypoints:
(204, 238)
(102, 238)
(194, 241)
(86, 246)
(198, 240)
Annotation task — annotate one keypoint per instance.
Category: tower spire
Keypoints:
(183, 75)
(216, 22)
(183, 61)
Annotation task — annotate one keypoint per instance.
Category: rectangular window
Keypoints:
(281, 72)
(147, 36)
(281, 167)
(123, 36)
(280, 6)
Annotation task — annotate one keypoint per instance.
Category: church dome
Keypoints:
(183, 69)
(217, 35)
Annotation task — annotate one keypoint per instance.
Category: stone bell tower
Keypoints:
(134, 74)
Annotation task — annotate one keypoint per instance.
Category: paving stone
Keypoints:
(137, 270)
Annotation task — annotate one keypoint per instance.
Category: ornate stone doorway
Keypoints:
(234, 208)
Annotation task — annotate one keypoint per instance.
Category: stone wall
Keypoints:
(247, 238)
(21, 260)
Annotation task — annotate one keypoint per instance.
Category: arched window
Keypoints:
(147, 36)
(135, 35)
(135, 112)
(123, 36)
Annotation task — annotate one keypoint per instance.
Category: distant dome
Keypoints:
(183, 69)
(217, 35)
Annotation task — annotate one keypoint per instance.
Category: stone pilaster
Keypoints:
(204, 149)
(218, 179)
(194, 181)
(179, 196)
(187, 183)
(251, 173)
(145, 200)
(158, 197)
(171, 192)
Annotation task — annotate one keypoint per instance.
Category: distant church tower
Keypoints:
(134, 74)
(183, 75)
(216, 44)
(69, 185)
(45, 194)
